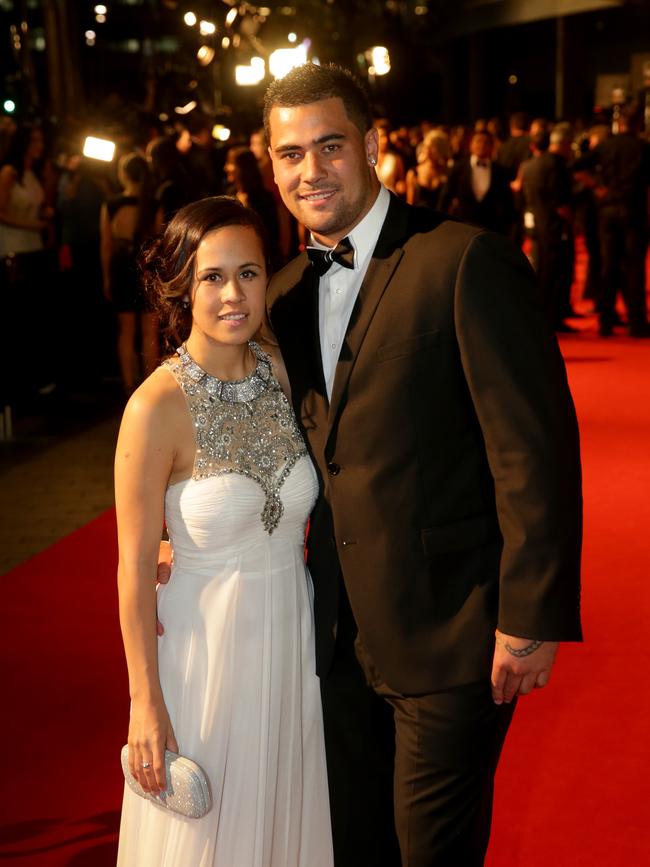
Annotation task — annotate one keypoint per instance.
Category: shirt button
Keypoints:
(333, 345)
(339, 291)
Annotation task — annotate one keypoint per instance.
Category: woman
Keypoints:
(27, 276)
(246, 183)
(126, 221)
(209, 445)
(390, 165)
(425, 184)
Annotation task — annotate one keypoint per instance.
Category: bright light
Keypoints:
(207, 28)
(100, 19)
(264, 11)
(91, 36)
(220, 132)
(292, 37)
(9, 105)
(187, 108)
(249, 75)
(100, 10)
(230, 17)
(282, 61)
(225, 42)
(99, 149)
(190, 19)
(380, 60)
(512, 79)
(205, 55)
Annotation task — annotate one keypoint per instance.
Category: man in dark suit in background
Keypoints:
(445, 544)
(546, 190)
(478, 190)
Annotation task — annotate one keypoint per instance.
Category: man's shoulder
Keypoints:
(288, 276)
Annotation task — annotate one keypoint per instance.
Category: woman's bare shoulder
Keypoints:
(157, 401)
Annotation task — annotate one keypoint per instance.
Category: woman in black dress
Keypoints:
(126, 221)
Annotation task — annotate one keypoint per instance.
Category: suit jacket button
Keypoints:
(333, 469)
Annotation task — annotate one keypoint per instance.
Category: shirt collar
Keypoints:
(365, 234)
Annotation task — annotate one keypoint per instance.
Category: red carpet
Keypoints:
(571, 787)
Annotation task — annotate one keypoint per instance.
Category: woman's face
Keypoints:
(228, 296)
(36, 146)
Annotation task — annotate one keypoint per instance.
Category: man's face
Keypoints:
(481, 146)
(258, 145)
(321, 163)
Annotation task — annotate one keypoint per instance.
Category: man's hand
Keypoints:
(164, 573)
(520, 665)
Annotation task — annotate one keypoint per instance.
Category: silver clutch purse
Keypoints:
(188, 790)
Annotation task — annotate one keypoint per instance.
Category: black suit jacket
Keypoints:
(448, 456)
(495, 211)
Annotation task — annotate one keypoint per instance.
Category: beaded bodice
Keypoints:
(245, 427)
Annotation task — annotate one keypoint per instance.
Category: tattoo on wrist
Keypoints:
(522, 651)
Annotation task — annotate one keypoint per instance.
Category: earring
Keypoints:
(372, 161)
(185, 303)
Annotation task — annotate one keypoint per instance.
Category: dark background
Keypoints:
(451, 59)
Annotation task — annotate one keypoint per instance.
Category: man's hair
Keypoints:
(311, 83)
(519, 121)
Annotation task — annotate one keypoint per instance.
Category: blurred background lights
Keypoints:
(230, 17)
(207, 28)
(100, 10)
(187, 108)
(205, 55)
(220, 132)
(513, 79)
(292, 37)
(101, 18)
(380, 60)
(282, 61)
(225, 42)
(91, 36)
(9, 106)
(250, 75)
(190, 19)
(99, 149)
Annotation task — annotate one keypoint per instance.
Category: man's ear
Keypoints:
(371, 143)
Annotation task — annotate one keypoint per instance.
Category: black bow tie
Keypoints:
(482, 164)
(322, 260)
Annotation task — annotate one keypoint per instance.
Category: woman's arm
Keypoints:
(105, 248)
(143, 462)
(7, 181)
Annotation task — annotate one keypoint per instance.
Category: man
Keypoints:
(434, 402)
(515, 149)
(546, 190)
(622, 199)
(478, 190)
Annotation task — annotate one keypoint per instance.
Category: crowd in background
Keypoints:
(71, 228)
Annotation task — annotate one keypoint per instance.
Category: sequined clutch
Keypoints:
(188, 790)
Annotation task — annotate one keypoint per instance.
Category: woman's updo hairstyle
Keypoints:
(167, 263)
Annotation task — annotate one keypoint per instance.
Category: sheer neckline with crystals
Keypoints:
(230, 391)
(245, 427)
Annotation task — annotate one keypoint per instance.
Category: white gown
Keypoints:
(236, 661)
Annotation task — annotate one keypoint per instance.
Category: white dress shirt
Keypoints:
(481, 177)
(339, 287)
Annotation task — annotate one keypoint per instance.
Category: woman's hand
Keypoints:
(150, 733)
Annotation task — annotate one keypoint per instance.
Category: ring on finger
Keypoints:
(146, 765)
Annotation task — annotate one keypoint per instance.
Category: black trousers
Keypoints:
(411, 778)
(623, 245)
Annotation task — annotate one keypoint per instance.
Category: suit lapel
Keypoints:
(384, 261)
